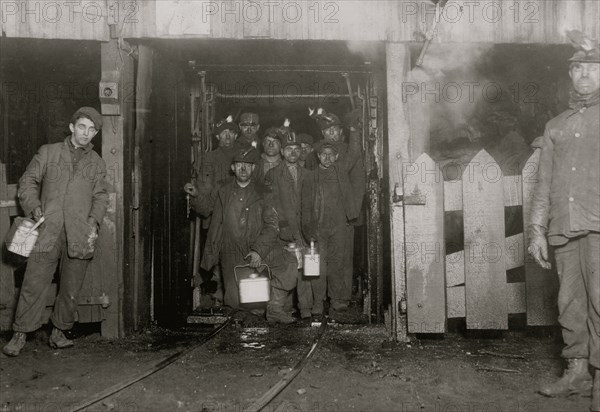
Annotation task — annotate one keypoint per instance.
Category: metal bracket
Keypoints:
(416, 198)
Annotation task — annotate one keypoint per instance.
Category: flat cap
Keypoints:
(304, 138)
(249, 119)
(226, 124)
(326, 144)
(90, 113)
(246, 155)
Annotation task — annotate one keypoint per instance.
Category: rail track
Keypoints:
(256, 406)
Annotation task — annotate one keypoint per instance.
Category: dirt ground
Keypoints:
(355, 368)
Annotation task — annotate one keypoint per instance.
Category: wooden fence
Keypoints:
(92, 300)
(471, 283)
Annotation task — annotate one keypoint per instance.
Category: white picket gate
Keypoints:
(471, 283)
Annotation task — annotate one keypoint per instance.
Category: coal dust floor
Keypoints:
(354, 368)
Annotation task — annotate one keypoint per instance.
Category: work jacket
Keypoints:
(68, 195)
(258, 222)
(312, 197)
(355, 170)
(566, 197)
(286, 200)
(216, 167)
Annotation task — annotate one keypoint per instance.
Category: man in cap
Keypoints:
(285, 181)
(64, 185)
(565, 213)
(215, 170)
(244, 229)
(249, 126)
(271, 155)
(328, 208)
(333, 132)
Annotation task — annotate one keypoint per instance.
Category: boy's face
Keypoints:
(271, 146)
(249, 130)
(242, 171)
(305, 150)
(333, 133)
(327, 157)
(227, 138)
(83, 131)
(291, 153)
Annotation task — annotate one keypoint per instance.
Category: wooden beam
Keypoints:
(7, 280)
(398, 63)
(112, 234)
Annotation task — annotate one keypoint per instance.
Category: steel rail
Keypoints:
(259, 404)
(152, 370)
(238, 96)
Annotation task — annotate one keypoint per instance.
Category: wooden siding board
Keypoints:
(485, 275)
(541, 284)
(521, 21)
(399, 136)
(7, 280)
(425, 280)
(456, 302)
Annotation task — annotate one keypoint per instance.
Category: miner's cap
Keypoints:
(90, 113)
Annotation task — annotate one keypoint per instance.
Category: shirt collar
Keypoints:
(85, 148)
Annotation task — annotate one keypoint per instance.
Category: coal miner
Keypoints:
(285, 181)
(306, 147)
(64, 184)
(249, 127)
(216, 169)
(271, 155)
(244, 230)
(565, 213)
(353, 165)
(329, 206)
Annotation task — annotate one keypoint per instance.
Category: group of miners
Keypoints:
(266, 198)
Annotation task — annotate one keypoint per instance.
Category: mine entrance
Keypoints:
(197, 83)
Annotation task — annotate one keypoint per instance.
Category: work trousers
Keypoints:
(333, 280)
(578, 266)
(41, 267)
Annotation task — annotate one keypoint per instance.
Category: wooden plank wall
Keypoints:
(497, 21)
(475, 280)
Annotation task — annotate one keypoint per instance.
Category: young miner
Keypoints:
(328, 208)
(285, 181)
(271, 155)
(244, 230)
(64, 183)
(565, 213)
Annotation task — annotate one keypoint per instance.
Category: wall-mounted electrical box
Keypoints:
(109, 93)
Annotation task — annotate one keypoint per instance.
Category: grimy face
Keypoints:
(249, 130)
(227, 138)
(291, 153)
(305, 150)
(242, 171)
(333, 133)
(327, 157)
(271, 146)
(83, 131)
(585, 77)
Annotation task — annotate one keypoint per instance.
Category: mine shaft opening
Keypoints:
(278, 80)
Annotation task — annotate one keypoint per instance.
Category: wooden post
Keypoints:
(116, 131)
(398, 59)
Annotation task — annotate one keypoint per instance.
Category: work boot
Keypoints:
(596, 392)
(14, 347)
(58, 340)
(575, 379)
(275, 308)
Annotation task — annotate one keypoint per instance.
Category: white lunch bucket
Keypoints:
(255, 287)
(311, 261)
(23, 235)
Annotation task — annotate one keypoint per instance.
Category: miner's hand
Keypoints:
(37, 213)
(190, 189)
(538, 246)
(255, 259)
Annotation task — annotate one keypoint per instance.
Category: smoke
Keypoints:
(450, 89)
